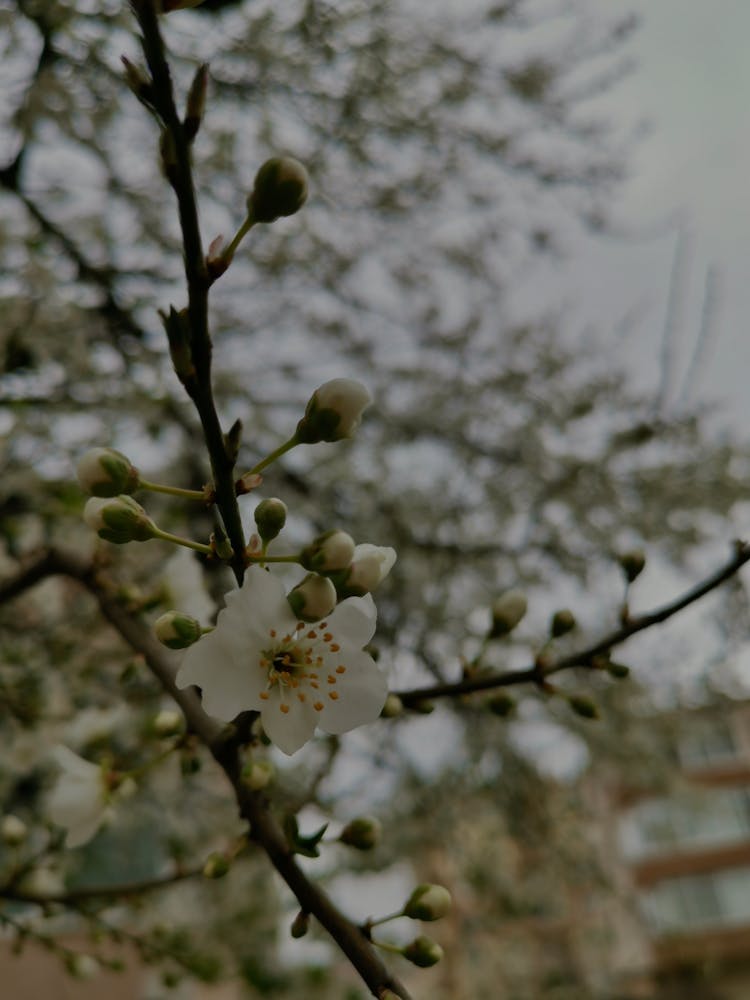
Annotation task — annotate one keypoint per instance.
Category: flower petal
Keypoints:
(231, 680)
(354, 621)
(362, 691)
(288, 730)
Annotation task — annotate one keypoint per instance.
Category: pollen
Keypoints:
(301, 695)
(327, 637)
(272, 633)
(318, 706)
(323, 625)
(333, 695)
(265, 695)
(284, 708)
(334, 647)
(331, 679)
(312, 634)
(341, 669)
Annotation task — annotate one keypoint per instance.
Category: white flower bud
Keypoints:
(422, 951)
(104, 472)
(371, 565)
(168, 722)
(177, 630)
(43, 883)
(428, 902)
(507, 612)
(393, 707)
(334, 411)
(280, 188)
(329, 552)
(313, 599)
(13, 830)
(258, 774)
(270, 517)
(119, 519)
(82, 966)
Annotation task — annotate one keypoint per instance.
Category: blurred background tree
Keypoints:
(449, 154)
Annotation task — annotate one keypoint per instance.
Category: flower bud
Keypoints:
(334, 411)
(428, 902)
(270, 517)
(280, 188)
(501, 704)
(258, 774)
(13, 830)
(362, 833)
(177, 630)
(329, 552)
(393, 707)
(216, 866)
(632, 563)
(168, 722)
(617, 670)
(82, 966)
(300, 924)
(423, 951)
(313, 599)
(507, 612)
(371, 565)
(104, 472)
(119, 519)
(583, 706)
(563, 621)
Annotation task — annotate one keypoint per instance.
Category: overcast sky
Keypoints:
(690, 173)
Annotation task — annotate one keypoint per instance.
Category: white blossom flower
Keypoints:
(334, 411)
(298, 675)
(371, 564)
(80, 801)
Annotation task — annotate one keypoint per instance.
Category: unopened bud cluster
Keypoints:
(119, 519)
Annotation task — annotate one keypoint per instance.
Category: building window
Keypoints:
(698, 902)
(702, 818)
(706, 742)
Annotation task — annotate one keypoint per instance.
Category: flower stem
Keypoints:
(167, 536)
(281, 450)
(175, 491)
(384, 920)
(241, 233)
(138, 772)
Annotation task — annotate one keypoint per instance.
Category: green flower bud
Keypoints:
(393, 707)
(270, 518)
(362, 833)
(632, 563)
(313, 599)
(501, 704)
(13, 830)
(334, 411)
(617, 670)
(507, 612)
(258, 774)
(177, 630)
(329, 552)
(119, 519)
(428, 902)
(583, 706)
(216, 866)
(168, 722)
(423, 951)
(563, 621)
(104, 472)
(280, 188)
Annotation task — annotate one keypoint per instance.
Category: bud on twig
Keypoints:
(104, 472)
(196, 102)
(632, 563)
(119, 519)
(257, 774)
(177, 630)
(507, 612)
(428, 902)
(300, 925)
(583, 706)
(563, 621)
(334, 411)
(13, 831)
(216, 866)
(501, 704)
(270, 518)
(329, 552)
(280, 189)
(362, 833)
(423, 951)
(313, 599)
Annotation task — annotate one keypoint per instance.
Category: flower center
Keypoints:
(303, 665)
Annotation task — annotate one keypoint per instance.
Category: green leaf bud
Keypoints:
(362, 833)
(119, 520)
(329, 552)
(617, 670)
(507, 612)
(422, 951)
(280, 189)
(104, 472)
(428, 902)
(632, 563)
(300, 925)
(270, 518)
(334, 411)
(563, 621)
(177, 630)
(313, 599)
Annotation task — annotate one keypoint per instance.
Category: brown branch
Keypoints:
(93, 892)
(587, 656)
(180, 176)
(222, 743)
